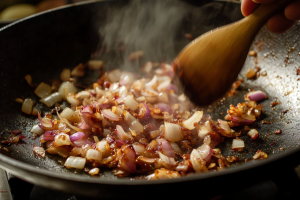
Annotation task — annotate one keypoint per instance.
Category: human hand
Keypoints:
(280, 22)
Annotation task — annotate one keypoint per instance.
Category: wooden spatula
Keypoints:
(206, 68)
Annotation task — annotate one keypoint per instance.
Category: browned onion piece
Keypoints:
(173, 132)
(127, 161)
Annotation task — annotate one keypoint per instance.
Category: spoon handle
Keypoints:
(265, 11)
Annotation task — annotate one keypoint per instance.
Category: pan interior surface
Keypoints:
(43, 45)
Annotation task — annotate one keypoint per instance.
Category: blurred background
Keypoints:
(12, 10)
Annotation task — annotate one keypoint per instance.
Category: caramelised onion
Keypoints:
(255, 96)
(127, 161)
(144, 111)
(86, 109)
(126, 79)
(95, 64)
(78, 71)
(47, 136)
(130, 102)
(45, 122)
(147, 160)
(139, 148)
(166, 148)
(173, 132)
(253, 133)
(72, 100)
(43, 90)
(39, 150)
(114, 76)
(205, 152)
(66, 88)
(77, 136)
(122, 134)
(241, 120)
(110, 115)
(194, 119)
(152, 82)
(164, 107)
(167, 161)
(238, 144)
(197, 162)
(67, 113)
(82, 142)
(37, 130)
(136, 127)
(163, 85)
(65, 74)
(83, 94)
(93, 154)
(75, 162)
(224, 126)
(63, 151)
(176, 147)
(103, 147)
(163, 97)
(27, 106)
(203, 131)
(61, 140)
(52, 99)
(94, 171)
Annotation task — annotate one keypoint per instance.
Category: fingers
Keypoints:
(248, 7)
(292, 11)
(279, 23)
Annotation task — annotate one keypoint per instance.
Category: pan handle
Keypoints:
(4, 187)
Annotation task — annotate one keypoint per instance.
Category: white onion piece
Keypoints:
(94, 171)
(146, 160)
(141, 99)
(72, 100)
(113, 87)
(119, 111)
(65, 74)
(114, 76)
(123, 91)
(139, 149)
(103, 147)
(61, 140)
(131, 103)
(182, 97)
(35, 111)
(40, 151)
(75, 162)
(166, 159)
(37, 130)
(149, 93)
(175, 147)
(95, 64)
(128, 118)
(207, 124)
(203, 131)
(162, 86)
(205, 152)
(67, 113)
(27, 106)
(196, 160)
(136, 126)
(224, 126)
(52, 99)
(62, 151)
(248, 116)
(66, 88)
(163, 97)
(93, 154)
(253, 133)
(100, 92)
(195, 119)
(152, 82)
(110, 115)
(82, 95)
(122, 134)
(43, 90)
(173, 132)
(238, 144)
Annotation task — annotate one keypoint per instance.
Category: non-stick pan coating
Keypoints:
(41, 46)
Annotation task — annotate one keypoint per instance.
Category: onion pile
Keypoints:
(135, 125)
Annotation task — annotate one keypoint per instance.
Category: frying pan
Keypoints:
(44, 44)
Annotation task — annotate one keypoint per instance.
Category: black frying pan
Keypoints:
(44, 44)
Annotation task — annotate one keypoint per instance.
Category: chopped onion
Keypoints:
(122, 134)
(173, 132)
(203, 131)
(248, 117)
(72, 100)
(241, 120)
(78, 71)
(93, 154)
(75, 162)
(100, 92)
(103, 147)
(77, 136)
(114, 76)
(147, 67)
(82, 95)
(166, 148)
(114, 87)
(110, 115)
(130, 102)
(196, 161)
(195, 119)
(163, 85)
(144, 111)
(94, 171)
(250, 73)
(141, 99)
(164, 107)
(255, 96)
(52, 99)
(82, 142)
(35, 111)
(61, 140)
(67, 113)
(65, 74)
(149, 93)
(205, 152)
(47, 136)
(139, 149)
(253, 133)
(224, 126)
(176, 147)
(28, 78)
(126, 79)
(182, 97)
(62, 151)
(152, 82)
(128, 118)
(95, 64)
(37, 130)
(45, 122)
(163, 97)
(167, 160)
(238, 144)
(136, 126)
(127, 161)
(66, 88)
(43, 90)
(40, 151)
(27, 106)
(147, 160)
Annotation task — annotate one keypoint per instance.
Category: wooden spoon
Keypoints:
(206, 68)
